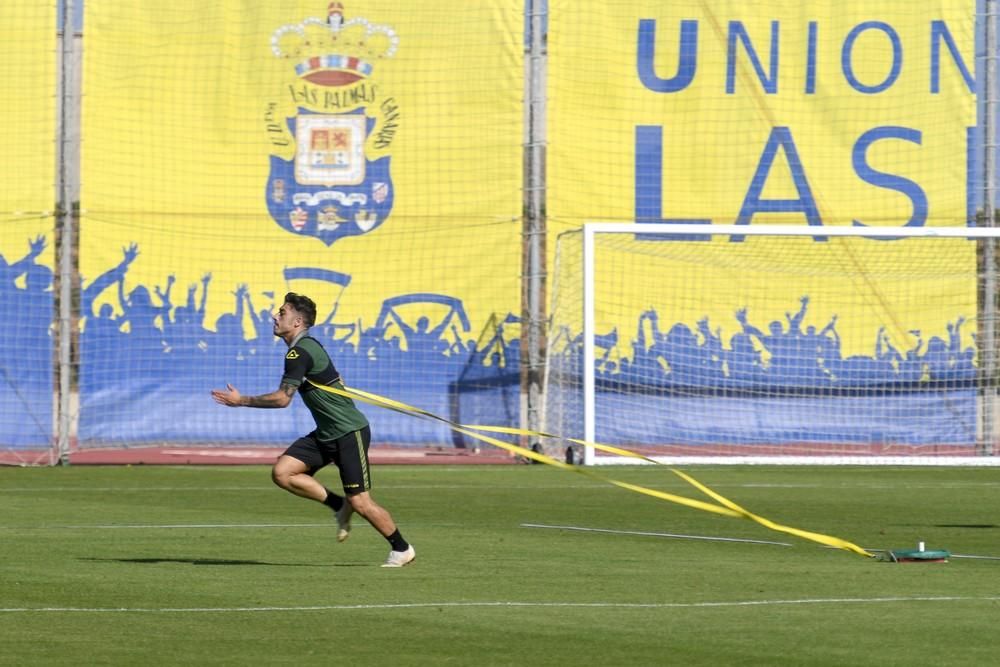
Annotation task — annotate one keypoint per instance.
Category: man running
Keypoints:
(342, 432)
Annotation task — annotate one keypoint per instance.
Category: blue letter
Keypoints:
(753, 204)
(881, 179)
(897, 57)
(737, 31)
(648, 188)
(939, 30)
(811, 59)
(687, 60)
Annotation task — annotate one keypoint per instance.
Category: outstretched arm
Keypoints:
(830, 328)
(439, 329)
(749, 329)
(654, 326)
(90, 293)
(456, 347)
(883, 346)
(712, 340)
(241, 291)
(406, 328)
(955, 335)
(831, 331)
(914, 352)
(35, 248)
(257, 320)
(795, 321)
(640, 332)
(190, 300)
(12, 271)
(231, 397)
(164, 295)
(205, 280)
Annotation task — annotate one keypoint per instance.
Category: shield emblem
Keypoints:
(330, 189)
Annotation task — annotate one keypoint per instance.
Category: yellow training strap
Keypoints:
(722, 500)
(725, 507)
(382, 402)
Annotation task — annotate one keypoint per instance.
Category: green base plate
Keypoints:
(917, 556)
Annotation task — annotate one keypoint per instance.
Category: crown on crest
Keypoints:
(334, 51)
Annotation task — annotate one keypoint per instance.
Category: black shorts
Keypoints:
(349, 453)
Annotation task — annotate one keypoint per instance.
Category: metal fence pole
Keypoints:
(67, 194)
(988, 344)
(533, 290)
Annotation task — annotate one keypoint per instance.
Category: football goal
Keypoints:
(775, 343)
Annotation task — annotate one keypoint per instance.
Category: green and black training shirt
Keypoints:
(335, 415)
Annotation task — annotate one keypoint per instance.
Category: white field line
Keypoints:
(593, 485)
(326, 525)
(710, 538)
(792, 460)
(499, 604)
(153, 526)
(650, 534)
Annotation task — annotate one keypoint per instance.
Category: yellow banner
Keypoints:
(28, 52)
(238, 139)
(28, 139)
(860, 112)
(770, 113)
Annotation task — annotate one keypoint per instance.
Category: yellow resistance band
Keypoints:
(725, 507)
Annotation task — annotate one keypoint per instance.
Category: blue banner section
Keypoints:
(931, 416)
(148, 364)
(27, 349)
(688, 386)
(147, 367)
(785, 384)
(167, 402)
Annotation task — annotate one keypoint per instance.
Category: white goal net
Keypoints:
(775, 343)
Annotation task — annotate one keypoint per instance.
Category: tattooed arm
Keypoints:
(280, 398)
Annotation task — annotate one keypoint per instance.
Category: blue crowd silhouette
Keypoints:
(26, 351)
(163, 337)
(784, 358)
(139, 343)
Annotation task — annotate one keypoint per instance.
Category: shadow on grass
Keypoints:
(217, 561)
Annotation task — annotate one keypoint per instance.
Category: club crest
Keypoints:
(331, 130)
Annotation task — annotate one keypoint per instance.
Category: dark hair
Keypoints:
(303, 305)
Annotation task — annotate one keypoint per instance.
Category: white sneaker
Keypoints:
(344, 521)
(400, 558)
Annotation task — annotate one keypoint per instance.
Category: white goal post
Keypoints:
(775, 343)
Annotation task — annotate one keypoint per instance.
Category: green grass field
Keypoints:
(204, 566)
